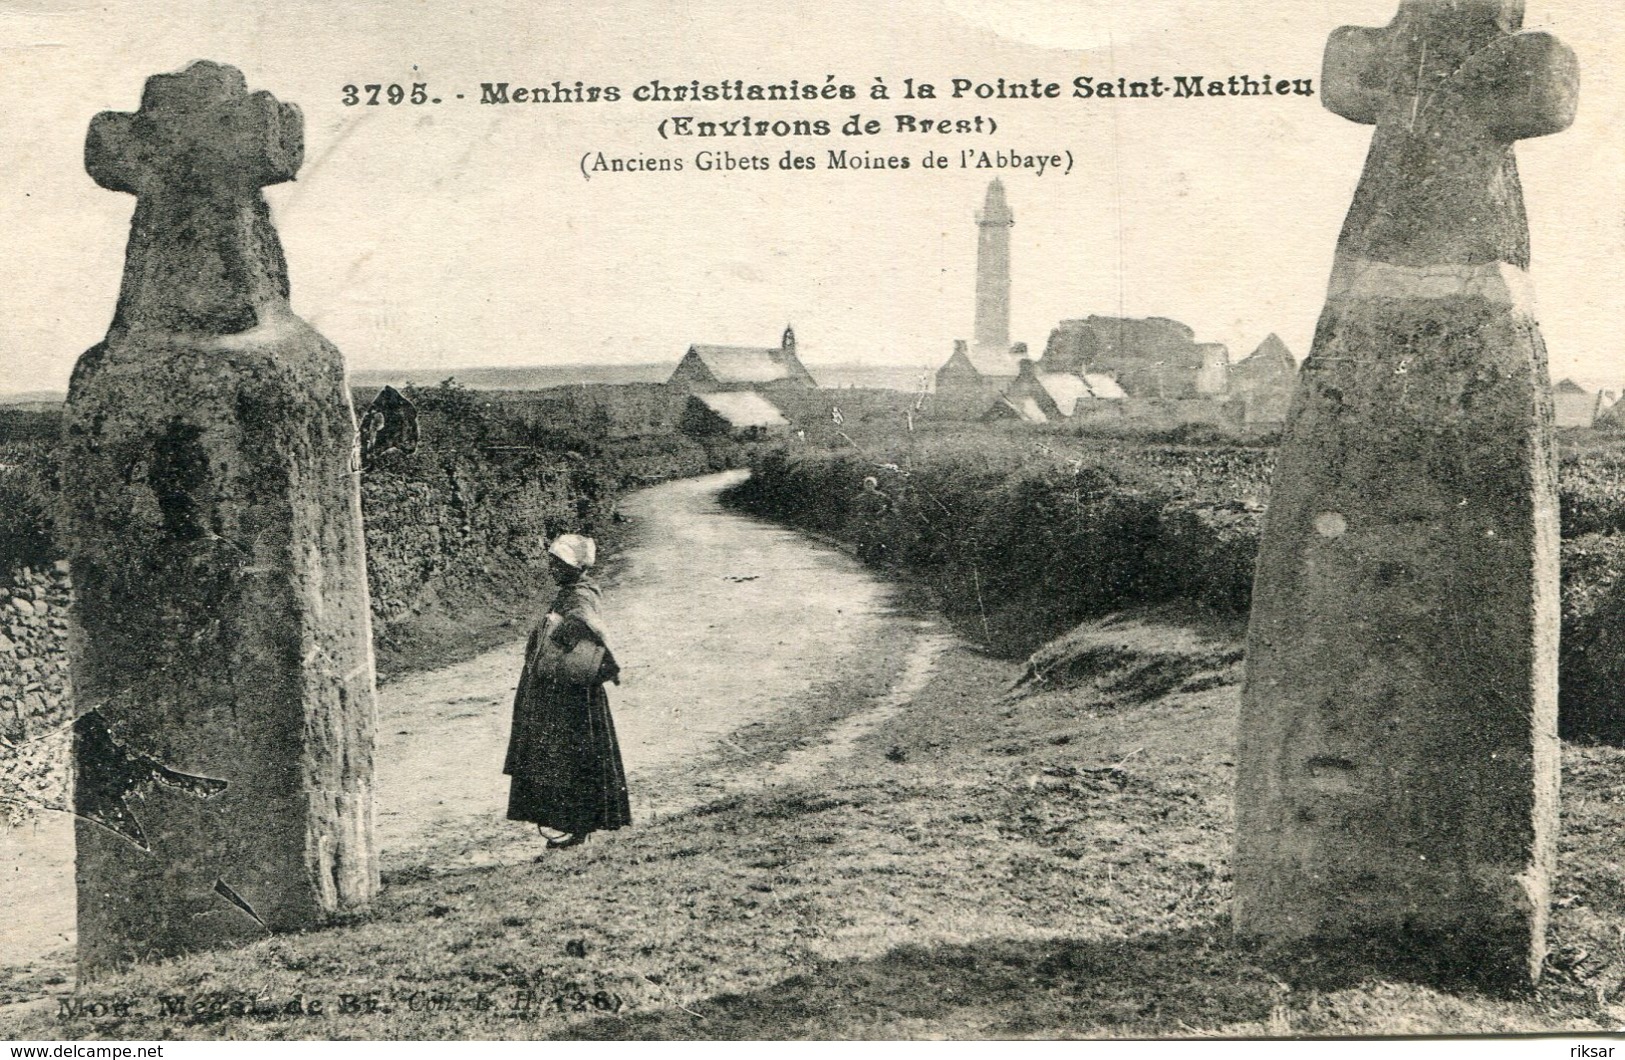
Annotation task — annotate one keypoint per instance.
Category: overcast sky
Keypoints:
(463, 234)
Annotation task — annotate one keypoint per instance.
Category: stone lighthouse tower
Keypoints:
(993, 272)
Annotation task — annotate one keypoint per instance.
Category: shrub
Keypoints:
(1013, 531)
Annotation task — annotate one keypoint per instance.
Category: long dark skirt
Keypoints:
(565, 761)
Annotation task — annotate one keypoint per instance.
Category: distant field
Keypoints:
(533, 377)
(544, 377)
(540, 377)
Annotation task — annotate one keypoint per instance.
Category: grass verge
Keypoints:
(1002, 856)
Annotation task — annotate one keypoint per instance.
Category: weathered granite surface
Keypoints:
(222, 664)
(1398, 762)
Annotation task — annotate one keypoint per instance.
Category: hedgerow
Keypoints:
(1027, 531)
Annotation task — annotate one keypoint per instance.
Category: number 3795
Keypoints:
(378, 95)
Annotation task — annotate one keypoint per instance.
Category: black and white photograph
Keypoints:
(952, 520)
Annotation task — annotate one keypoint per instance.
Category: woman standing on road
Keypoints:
(562, 754)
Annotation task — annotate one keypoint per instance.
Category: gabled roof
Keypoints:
(1272, 358)
(388, 397)
(1104, 387)
(1018, 408)
(744, 408)
(986, 364)
(749, 364)
(1063, 388)
(1021, 408)
(1569, 386)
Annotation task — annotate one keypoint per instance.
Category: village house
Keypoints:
(390, 424)
(1573, 405)
(1262, 384)
(743, 415)
(967, 371)
(722, 368)
(1036, 396)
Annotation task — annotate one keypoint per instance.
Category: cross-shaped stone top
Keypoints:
(203, 256)
(1450, 85)
(201, 128)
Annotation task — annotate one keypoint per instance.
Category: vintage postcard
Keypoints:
(952, 519)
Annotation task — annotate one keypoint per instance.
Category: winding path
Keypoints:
(718, 620)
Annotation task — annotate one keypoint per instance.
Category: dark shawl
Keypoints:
(562, 755)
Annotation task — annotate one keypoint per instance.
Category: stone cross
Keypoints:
(195, 156)
(1397, 765)
(222, 659)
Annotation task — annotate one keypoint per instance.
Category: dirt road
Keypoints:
(718, 620)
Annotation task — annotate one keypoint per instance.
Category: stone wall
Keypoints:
(453, 541)
(454, 552)
(34, 693)
(442, 528)
(456, 523)
(454, 537)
